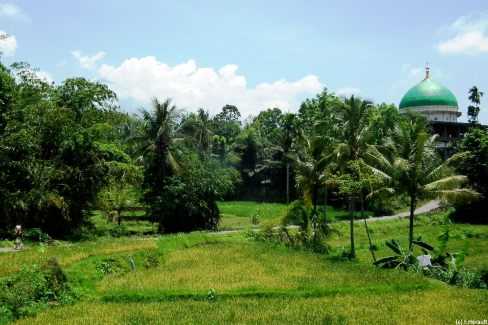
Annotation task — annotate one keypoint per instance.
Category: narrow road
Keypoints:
(429, 206)
(8, 250)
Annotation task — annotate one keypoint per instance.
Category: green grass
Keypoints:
(258, 282)
(69, 253)
(426, 226)
(239, 214)
(240, 268)
(133, 225)
(438, 306)
(263, 283)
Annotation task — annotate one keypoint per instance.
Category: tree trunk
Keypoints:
(314, 203)
(351, 218)
(287, 183)
(325, 205)
(366, 225)
(410, 231)
(119, 217)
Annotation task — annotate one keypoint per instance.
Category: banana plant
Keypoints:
(403, 258)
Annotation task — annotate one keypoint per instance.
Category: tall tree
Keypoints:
(473, 162)
(56, 166)
(289, 131)
(354, 113)
(313, 159)
(160, 132)
(410, 165)
(200, 126)
(475, 97)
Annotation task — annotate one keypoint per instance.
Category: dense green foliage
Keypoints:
(473, 162)
(53, 161)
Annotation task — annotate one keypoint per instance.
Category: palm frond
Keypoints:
(447, 183)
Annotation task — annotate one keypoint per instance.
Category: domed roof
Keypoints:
(428, 93)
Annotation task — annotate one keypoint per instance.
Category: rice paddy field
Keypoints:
(212, 278)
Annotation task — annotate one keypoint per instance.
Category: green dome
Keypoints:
(428, 93)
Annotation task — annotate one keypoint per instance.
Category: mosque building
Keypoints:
(439, 105)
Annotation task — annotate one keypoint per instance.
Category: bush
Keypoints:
(151, 259)
(32, 289)
(181, 207)
(36, 234)
(110, 267)
(313, 230)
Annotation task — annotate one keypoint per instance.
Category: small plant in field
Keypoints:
(211, 295)
(109, 266)
(151, 259)
(255, 217)
(313, 230)
(403, 258)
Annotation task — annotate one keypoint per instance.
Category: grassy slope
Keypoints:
(263, 283)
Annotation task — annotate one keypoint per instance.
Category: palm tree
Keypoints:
(288, 134)
(202, 126)
(475, 97)
(409, 163)
(312, 163)
(354, 113)
(159, 133)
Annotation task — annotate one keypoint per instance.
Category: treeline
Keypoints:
(68, 149)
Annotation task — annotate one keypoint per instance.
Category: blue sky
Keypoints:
(254, 54)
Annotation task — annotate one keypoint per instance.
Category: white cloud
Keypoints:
(43, 75)
(8, 45)
(190, 86)
(12, 11)
(347, 91)
(88, 62)
(470, 36)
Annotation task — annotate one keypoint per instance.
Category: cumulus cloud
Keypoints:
(8, 45)
(470, 36)
(347, 91)
(45, 76)
(12, 11)
(88, 62)
(190, 86)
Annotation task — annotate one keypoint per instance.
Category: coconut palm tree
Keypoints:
(475, 97)
(311, 164)
(158, 135)
(202, 127)
(354, 114)
(409, 164)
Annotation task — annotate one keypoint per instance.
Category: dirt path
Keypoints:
(8, 250)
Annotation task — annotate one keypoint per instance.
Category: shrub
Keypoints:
(109, 267)
(32, 289)
(36, 234)
(151, 259)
